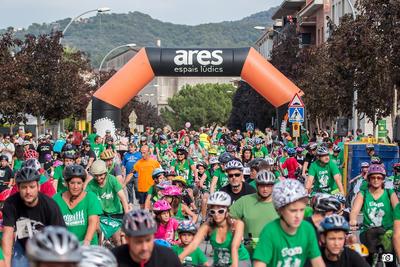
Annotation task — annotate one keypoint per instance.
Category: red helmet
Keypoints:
(31, 154)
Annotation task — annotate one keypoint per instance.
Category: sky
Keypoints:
(22, 13)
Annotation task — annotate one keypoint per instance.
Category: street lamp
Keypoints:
(112, 50)
(98, 10)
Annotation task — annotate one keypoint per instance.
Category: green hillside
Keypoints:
(98, 34)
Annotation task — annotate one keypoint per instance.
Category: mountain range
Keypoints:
(99, 34)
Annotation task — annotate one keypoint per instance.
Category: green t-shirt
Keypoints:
(97, 149)
(91, 137)
(153, 193)
(184, 169)
(108, 194)
(395, 179)
(222, 251)
(260, 153)
(323, 176)
(254, 213)
(308, 212)
(58, 175)
(277, 248)
(396, 212)
(1, 254)
(77, 219)
(377, 212)
(222, 178)
(17, 165)
(196, 258)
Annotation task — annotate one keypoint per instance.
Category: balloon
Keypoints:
(187, 125)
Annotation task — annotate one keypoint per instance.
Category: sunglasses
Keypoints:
(234, 175)
(376, 178)
(214, 212)
(180, 154)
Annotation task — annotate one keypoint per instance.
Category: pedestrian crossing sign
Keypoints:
(296, 114)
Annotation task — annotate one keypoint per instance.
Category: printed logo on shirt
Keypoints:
(78, 218)
(289, 259)
(107, 195)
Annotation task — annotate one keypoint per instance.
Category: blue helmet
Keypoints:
(162, 242)
(291, 151)
(157, 172)
(334, 222)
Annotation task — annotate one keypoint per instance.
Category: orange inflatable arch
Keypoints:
(151, 62)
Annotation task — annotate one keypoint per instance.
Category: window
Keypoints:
(333, 14)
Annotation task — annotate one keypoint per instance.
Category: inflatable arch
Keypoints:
(150, 62)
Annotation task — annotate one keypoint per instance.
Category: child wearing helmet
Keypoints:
(259, 150)
(186, 232)
(333, 230)
(288, 240)
(166, 225)
(173, 195)
(153, 194)
(219, 227)
(290, 164)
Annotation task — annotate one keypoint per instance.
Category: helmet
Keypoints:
(212, 151)
(163, 184)
(270, 161)
(361, 249)
(157, 172)
(182, 149)
(213, 161)
(86, 142)
(225, 157)
(334, 222)
(312, 146)
(340, 198)
(96, 256)
(3, 157)
(322, 151)
(30, 154)
(370, 147)
(74, 171)
(265, 177)
(161, 205)
(299, 150)
(27, 175)
(291, 151)
(109, 139)
(48, 157)
(32, 163)
(179, 178)
(323, 202)
(70, 154)
(162, 242)
(286, 192)
(201, 163)
(98, 167)
(170, 173)
(139, 223)
(41, 137)
(258, 141)
(68, 147)
(26, 143)
(231, 148)
(107, 154)
(171, 191)
(219, 198)
(186, 227)
(54, 244)
(364, 165)
(337, 148)
(255, 163)
(162, 137)
(246, 148)
(396, 166)
(376, 169)
(376, 160)
(234, 165)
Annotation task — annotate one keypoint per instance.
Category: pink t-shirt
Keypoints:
(167, 231)
(291, 165)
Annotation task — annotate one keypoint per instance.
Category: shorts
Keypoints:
(141, 196)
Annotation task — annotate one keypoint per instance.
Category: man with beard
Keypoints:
(43, 148)
(256, 210)
(237, 187)
(26, 212)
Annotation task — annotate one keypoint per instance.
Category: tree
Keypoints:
(201, 105)
(249, 106)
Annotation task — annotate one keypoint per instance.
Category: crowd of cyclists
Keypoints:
(163, 198)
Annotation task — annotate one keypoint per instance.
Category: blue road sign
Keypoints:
(296, 114)
(250, 126)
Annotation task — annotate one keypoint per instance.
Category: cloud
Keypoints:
(22, 13)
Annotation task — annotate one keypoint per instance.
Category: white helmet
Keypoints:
(219, 198)
(234, 165)
(96, 256)
(214, 160)
(270, 161)
(265, 177)
(286, 192)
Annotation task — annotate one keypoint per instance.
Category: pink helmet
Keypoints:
(171, 191)
(376, 169)
(161, 205)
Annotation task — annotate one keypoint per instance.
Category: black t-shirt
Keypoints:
(349, 258)
(44, 149)
(26, 219)
(161, 256)
(86, 155)
(246, 190)
(5, 175)
(310, 158)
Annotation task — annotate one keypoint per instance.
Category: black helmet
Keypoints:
(27, 174)
(74, 171)
(86, 142)
(225, 157)
(183, 149)
(3, 157)
(70, 154)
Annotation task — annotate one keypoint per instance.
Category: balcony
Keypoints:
(311, 8)
(307, 21)
(288, 7)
